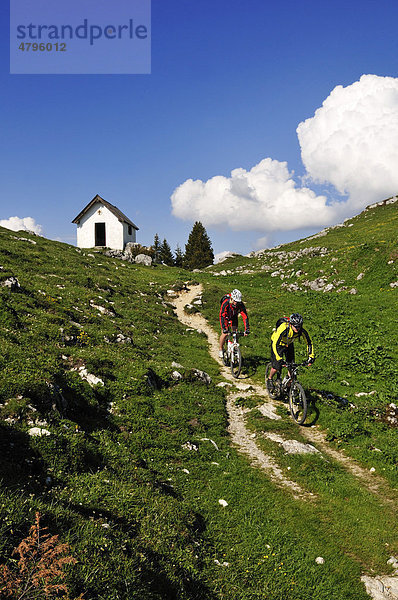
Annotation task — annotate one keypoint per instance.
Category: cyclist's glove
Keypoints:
(311, 360)
(225, 330)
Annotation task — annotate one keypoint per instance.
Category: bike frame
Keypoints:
(232, 341)
(292, 369)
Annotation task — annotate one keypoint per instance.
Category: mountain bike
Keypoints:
(231, 355)
(289, 387)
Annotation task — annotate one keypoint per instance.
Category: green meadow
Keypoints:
(131, 465)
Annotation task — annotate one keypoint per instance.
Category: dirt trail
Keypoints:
(380, 587)
(241, 436)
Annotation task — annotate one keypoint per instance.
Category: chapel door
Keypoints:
(100, 238)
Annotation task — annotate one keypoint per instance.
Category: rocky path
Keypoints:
(240, 435)
(379, 588)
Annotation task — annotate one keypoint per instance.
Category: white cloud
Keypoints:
(262, 242)
(220, 256)
(352, 141)
(24, 224)
(263, 199)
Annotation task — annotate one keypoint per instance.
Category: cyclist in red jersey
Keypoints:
(231, 307)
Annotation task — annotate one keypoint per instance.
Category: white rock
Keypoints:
(223, 503)
(11, 282)
(393, 562)
(269, 411)
(189, 446)
(319, 560)
(143, 259)
(38, 432)
(381, 588)
(91, 379)
(244, 387)
(291, 446)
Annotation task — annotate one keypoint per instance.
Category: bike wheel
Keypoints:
(236, 362)
(298, 403)
(273, 387)
(225, 357)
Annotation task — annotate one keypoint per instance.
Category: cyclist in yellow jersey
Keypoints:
(282, 344)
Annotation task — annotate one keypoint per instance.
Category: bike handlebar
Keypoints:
(294, 365)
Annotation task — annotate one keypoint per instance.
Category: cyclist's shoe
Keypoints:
(220, 353)
(270, 386)
(274, 387)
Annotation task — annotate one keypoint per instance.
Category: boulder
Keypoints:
(201, 375)
(38, 432)
(12, 283)
(143, 259)
(129, 247)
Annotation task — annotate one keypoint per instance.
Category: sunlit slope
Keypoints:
(364, 246)
(132, 462)
(345, 283)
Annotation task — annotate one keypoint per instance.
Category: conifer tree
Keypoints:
(179, 257)
(165, 254)
(198, 249)
(156, 249)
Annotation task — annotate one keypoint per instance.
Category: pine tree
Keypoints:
(179, 257)
(156, 249)
(165, 254)
(198, 250)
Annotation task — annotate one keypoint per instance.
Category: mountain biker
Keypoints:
(282, 344)
(231, 307)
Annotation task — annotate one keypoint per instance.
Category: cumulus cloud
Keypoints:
(262, 242)
(24, 224)
(266, 198)
(351, 142)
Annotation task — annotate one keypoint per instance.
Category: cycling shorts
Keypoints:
(287, 353)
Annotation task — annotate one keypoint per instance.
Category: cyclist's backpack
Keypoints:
(282, 320)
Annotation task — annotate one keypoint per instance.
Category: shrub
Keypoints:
(40, 568)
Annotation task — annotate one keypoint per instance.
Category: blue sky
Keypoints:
(230, 83)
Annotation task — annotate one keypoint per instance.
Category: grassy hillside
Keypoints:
(351, 316)
(130, 467)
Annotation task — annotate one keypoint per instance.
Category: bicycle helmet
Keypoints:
(296, 320)
(236, 295)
